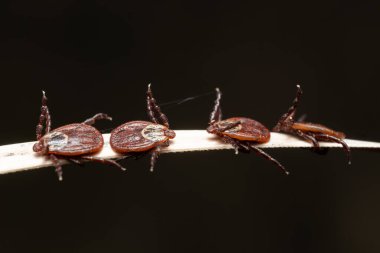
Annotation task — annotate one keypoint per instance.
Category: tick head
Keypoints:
(39, 146)
(169, 133)
(212, 128)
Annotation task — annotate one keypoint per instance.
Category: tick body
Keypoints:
(144, 136)
(310, 132)
(74, 142)
(242, 133)
(246, 129)
(139, 136)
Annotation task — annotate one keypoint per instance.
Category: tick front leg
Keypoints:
(329, 138)
(104, 161)
(150, 106)
(58, 167)
(230, 126)
(44, 116)
(154, 110)
(287, 119)
(216, 114)
(293, 108)
(98, 116)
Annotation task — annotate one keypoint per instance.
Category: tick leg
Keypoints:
(58, 167)
(44, 116)
(154, 110)
(98, 116)
(154, 157)
(329, 138)
(247, 146)
(310, 138)
(150, 110)
(307, 137)
(229, 126)
(267, 156)
(104, 161)
(293, 108)
(236, 144)
(48, 119)
(216, 114)
(287, 119)
(136, 155)
(76, 161)
(165, 144)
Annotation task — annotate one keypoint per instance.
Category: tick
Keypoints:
(241, 133)
(144, 136)
(310, 132)
(74, 142)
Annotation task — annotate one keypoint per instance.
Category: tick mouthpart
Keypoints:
(211, 129)
(169, 133)
(38, 147)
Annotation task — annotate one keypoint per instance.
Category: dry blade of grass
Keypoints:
(20, 156)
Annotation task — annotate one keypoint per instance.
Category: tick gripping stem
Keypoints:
(74, 142)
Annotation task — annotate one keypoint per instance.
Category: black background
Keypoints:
(99, 56)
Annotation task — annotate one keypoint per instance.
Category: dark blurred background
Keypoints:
(99, 56)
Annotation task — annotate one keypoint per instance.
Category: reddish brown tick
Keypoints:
(73, 142)
(144, 136)
(309, 131)
(241, 133)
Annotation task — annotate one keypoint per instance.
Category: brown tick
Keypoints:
(310, 132)
(144, 136)
(73, 142)
(241, 133)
